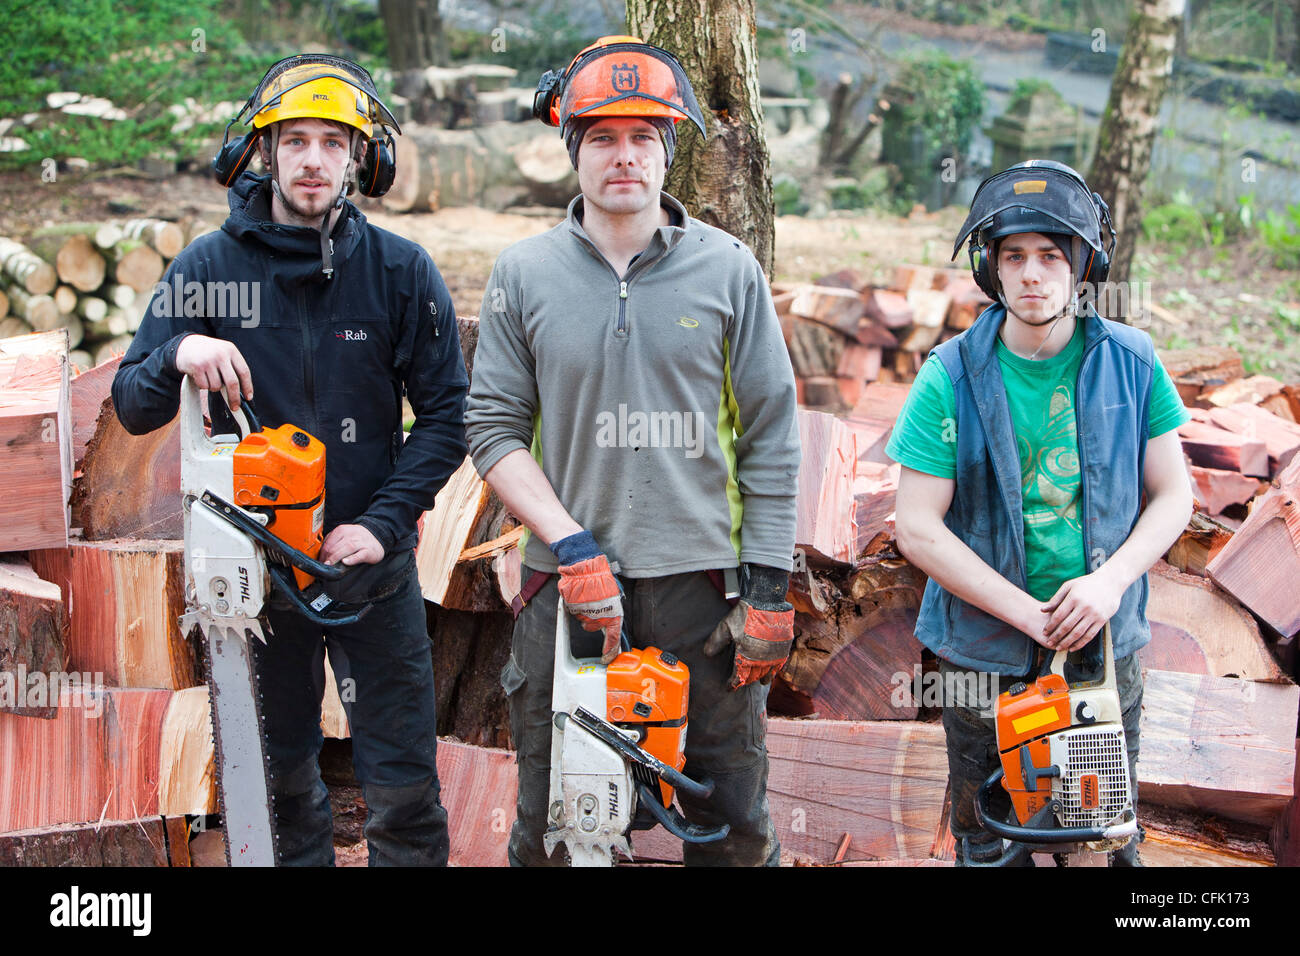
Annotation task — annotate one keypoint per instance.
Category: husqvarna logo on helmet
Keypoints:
(624, 78)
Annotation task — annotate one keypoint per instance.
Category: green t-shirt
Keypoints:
(1040, 395)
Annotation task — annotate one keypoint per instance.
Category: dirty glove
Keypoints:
(590, 590)
(760, 626)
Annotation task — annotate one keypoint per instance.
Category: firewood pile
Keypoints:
(92, 279)
(116, 768)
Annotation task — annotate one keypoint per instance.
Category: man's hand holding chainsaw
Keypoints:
(760, 627)
(216, 365)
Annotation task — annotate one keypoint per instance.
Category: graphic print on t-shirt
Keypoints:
(1049, 465)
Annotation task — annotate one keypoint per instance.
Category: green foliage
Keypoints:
(143, 56)
(947, 99)
(361, 28)
(1281, 236)
(550, 42)
(1029, 86)
(787, 196)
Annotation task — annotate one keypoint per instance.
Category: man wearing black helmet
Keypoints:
(1027, 443)
(352, 319)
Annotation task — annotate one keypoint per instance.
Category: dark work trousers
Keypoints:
(384, 670)
(726, 730)
(973, 752)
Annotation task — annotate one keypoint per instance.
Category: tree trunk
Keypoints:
(726, 181)
(1128, 128)
(415, 35)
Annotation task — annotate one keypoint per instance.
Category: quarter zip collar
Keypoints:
(662, 242)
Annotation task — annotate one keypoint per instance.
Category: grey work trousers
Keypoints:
(973, 752)
(726, 732)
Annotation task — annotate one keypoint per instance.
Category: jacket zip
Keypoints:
(622, 307)
(308, 360)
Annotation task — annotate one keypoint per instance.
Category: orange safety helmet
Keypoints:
(617, 76)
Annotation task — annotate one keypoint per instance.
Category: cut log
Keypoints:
(32, 273)
(843, 279)
(75, 258)
(874, 492)
(187, 782)
(1196, 369)
(65, 299)
(1203, 538)
(98, 760)
(1217, 489)
(467, 327)
(1280, 437)
(35, 441)
(825, 527)
(447, 528)
(878, 410)
(1218, 745)
(1197, 629)
(166, 238)
(38, 311)
(968, 300)
(815, 350)
(4, 305)
(333, 716)
(1251, 390)
(822, 391)
(114, 348)
(469, 651)
(888, 309)
(1178, 838)
(1261, 564)
(12, 326)
(87, 394)
(122, 296)
(1212, 447)
(132, 843)
(1285, 836)
(135, 264)
(881, 783)
(33, 634)
(131, 484)
(929, 312)
(839, 309)
(479, 790)
(102, 235)
(125, 599)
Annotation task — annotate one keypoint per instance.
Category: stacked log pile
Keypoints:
(859, 773)
(93, 279)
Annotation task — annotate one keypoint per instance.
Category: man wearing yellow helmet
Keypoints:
(351, 318)
(636, 351)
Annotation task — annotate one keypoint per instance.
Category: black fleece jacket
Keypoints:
(332, 356)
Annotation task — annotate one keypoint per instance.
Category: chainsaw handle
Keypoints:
(676, 824)
(1028, 834)
(273, 545)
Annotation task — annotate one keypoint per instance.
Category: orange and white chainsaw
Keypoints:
(618, 748)
(1065, 767)
(254, 507)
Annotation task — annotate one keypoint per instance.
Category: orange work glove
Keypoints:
(590, 590)
(760, 627)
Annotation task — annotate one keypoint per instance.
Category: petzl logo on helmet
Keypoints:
(320, 96)
(624, 78)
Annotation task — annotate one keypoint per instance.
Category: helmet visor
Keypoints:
(295, 71)
(629, 79)
(1042, 196)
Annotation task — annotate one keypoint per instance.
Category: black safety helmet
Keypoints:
(1043, 196)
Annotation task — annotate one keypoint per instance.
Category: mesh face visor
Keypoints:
(295, 71)
(1037, 192)
(628, 79)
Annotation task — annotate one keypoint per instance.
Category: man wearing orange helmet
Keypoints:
(351, 318)
(633, 403)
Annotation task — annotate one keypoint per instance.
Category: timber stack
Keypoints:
(107, 760)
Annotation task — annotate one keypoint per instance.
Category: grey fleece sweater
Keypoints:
(661, 407)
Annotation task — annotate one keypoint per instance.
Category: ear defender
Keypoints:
(378, 167)
(234, 156)
(546, 100)
(980, 254)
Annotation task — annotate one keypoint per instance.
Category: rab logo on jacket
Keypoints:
(347, 335)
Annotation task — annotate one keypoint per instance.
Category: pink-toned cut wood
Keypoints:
(874, 492)
(870, 675)
(1285, 835)
(143, 842)
(929, 311)
(825, 528)
(858, 362)
(883, 783)
(909, 277)
(130, 485)
(1281, 406)
(98, 759)
(1212, 447)
(1261, 564)
(88, 392)
(887, 308)
(968, 300)
(1198, 629)
(839, 309)
(125, 598)
(479, 787)
(1203, 538)
(822, 391)
(873, 418)
(1196, 369)
(33, 635)
(1218, 745)
(944, 848)
(35, 440)
(842, 279)
(1217, 489)
(1253, 390)
(1280, 437)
